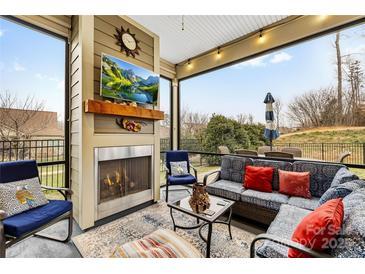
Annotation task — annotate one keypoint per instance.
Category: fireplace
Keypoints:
(123, 178)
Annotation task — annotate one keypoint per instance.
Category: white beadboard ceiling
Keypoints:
(201, 32)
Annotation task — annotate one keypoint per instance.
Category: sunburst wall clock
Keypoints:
(127, 42)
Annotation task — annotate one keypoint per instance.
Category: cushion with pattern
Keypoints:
(341, 191)
(343, 175)
(20, 196)
(179, 168)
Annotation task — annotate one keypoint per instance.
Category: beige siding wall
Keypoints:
(91, 36)
(75, 115)
(167, 69)
(60, 24)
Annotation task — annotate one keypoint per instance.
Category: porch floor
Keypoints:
(35, 247)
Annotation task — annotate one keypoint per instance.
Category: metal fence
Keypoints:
(165, 144)
(48, 153)
(328, 152)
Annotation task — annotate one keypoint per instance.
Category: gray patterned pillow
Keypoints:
(20, 196)
(343, 175)
(179, 168)
(351, 241)
(341, 191)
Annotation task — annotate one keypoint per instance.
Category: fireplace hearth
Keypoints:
(123, 178)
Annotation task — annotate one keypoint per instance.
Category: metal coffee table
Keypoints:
(217, 204)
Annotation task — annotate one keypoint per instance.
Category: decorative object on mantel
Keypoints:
(199, 200)
(108, 108)
(127, 42)
(129, 124)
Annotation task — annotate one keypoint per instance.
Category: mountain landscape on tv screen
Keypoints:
(123, 81)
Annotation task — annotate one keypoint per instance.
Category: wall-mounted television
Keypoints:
(124, 81)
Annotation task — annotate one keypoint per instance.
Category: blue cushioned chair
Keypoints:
(178, 156)
(28, 223)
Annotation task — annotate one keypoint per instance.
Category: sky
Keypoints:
(285, 73)
(32, 64)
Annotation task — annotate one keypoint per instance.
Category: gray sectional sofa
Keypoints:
(283, 213)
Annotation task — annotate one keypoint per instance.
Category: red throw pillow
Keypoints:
(319, 228)
(259, 178)
(294, 183)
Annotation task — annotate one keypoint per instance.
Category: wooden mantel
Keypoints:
(101, 107)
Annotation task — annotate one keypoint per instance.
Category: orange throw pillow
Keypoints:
(259, 178)
(294, 183)
(318, 229)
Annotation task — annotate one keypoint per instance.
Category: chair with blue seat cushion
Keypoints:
(178, 156)
(28, 223)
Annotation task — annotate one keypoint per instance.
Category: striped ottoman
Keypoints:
(162, 243)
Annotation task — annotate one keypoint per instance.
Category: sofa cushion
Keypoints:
(276, 165)
(226, 189)
(351, 241)
(233, 168)
(343, 175)
(283, 226)
(271, 200)
(30, 220)
(310, 204)
(294, 183)
(181, 180)
(321, 175)
(341, 190)
(318, 229)
(259, 178)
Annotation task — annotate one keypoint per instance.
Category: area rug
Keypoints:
(100, 242)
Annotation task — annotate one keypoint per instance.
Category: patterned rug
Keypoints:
(100, 242)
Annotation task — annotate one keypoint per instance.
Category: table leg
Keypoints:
(209, 239)
(173, 220)
(229, 222)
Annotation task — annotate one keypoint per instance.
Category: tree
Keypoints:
(192, 123)
(339, 79)
(223, 131)
(277, 108)
(355, 78)
(242, 118)
(20, 119)
(314, 108)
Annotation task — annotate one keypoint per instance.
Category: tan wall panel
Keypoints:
(117, 22)
(106, 28)
(99, 49)
(109, 42)
(107, 124)
(167, 69)
(75, 127)
(56, 24)
(95, 37)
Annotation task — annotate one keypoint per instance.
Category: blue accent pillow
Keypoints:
(341, 191)
(343, 175)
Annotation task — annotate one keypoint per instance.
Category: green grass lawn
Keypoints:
(330, 135)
